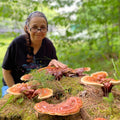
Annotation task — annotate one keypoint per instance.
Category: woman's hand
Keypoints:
(57, 64)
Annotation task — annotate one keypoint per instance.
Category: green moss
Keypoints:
(71, 85)
(68, 84)
(18, 107)
(103, 111)
(115, 117)
(29, 116)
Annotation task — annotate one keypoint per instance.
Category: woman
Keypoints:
(29, 51)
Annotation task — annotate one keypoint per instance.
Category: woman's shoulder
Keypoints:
(47, 41)
(19, 40)
(48, 45)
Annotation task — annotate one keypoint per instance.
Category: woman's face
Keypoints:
(37, 29)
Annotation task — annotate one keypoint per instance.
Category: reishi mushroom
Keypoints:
(26, 77)
(99, 75)
(58, 72)
(100, 119)
(43, 93)
(30, 91)
(99, 79)
(71, 106)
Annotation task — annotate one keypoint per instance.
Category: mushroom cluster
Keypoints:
(58, 72)
(100, 79)
(30, 90)
(71, 106)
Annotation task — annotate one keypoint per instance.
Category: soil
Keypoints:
(94, 106)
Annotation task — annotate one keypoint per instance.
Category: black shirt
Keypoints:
(16, 56)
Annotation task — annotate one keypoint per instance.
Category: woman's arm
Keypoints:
(8, 77)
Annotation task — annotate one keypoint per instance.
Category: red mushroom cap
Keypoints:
(99, 75)
(44, 93)
(115, 82)
(16, 89)
(26, 77)
(91, 81)
(71, 106)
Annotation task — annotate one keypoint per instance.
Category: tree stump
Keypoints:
(21, 108)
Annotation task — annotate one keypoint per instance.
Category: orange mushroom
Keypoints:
(91, 81)
(16, 89)
(26, 77)
(71, 106)
(43, 93)
(30, 90)
(99, 79)
(100, 119)
(57, 72)
(99, 75)
(69, 72)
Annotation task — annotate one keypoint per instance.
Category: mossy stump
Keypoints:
(21, 108)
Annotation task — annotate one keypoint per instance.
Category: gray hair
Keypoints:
(35, 14)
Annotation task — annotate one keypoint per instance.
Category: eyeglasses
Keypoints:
(35, 29)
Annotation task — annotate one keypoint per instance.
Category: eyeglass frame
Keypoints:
(39, 29)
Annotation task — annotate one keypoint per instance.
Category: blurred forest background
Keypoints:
(86, 33)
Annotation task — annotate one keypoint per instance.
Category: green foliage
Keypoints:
(99, 18)
(42, 77)
(110, 100)
(20, 100)
(15, 12)
(2, 43)
(8, 101)
(116, 69)
(78, 55)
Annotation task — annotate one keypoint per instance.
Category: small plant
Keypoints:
(8, 101)
(110, 100)
(42, 76)
(117, 70)
(20, 100)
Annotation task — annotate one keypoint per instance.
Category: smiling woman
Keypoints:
(29, 51)
(37, 29)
